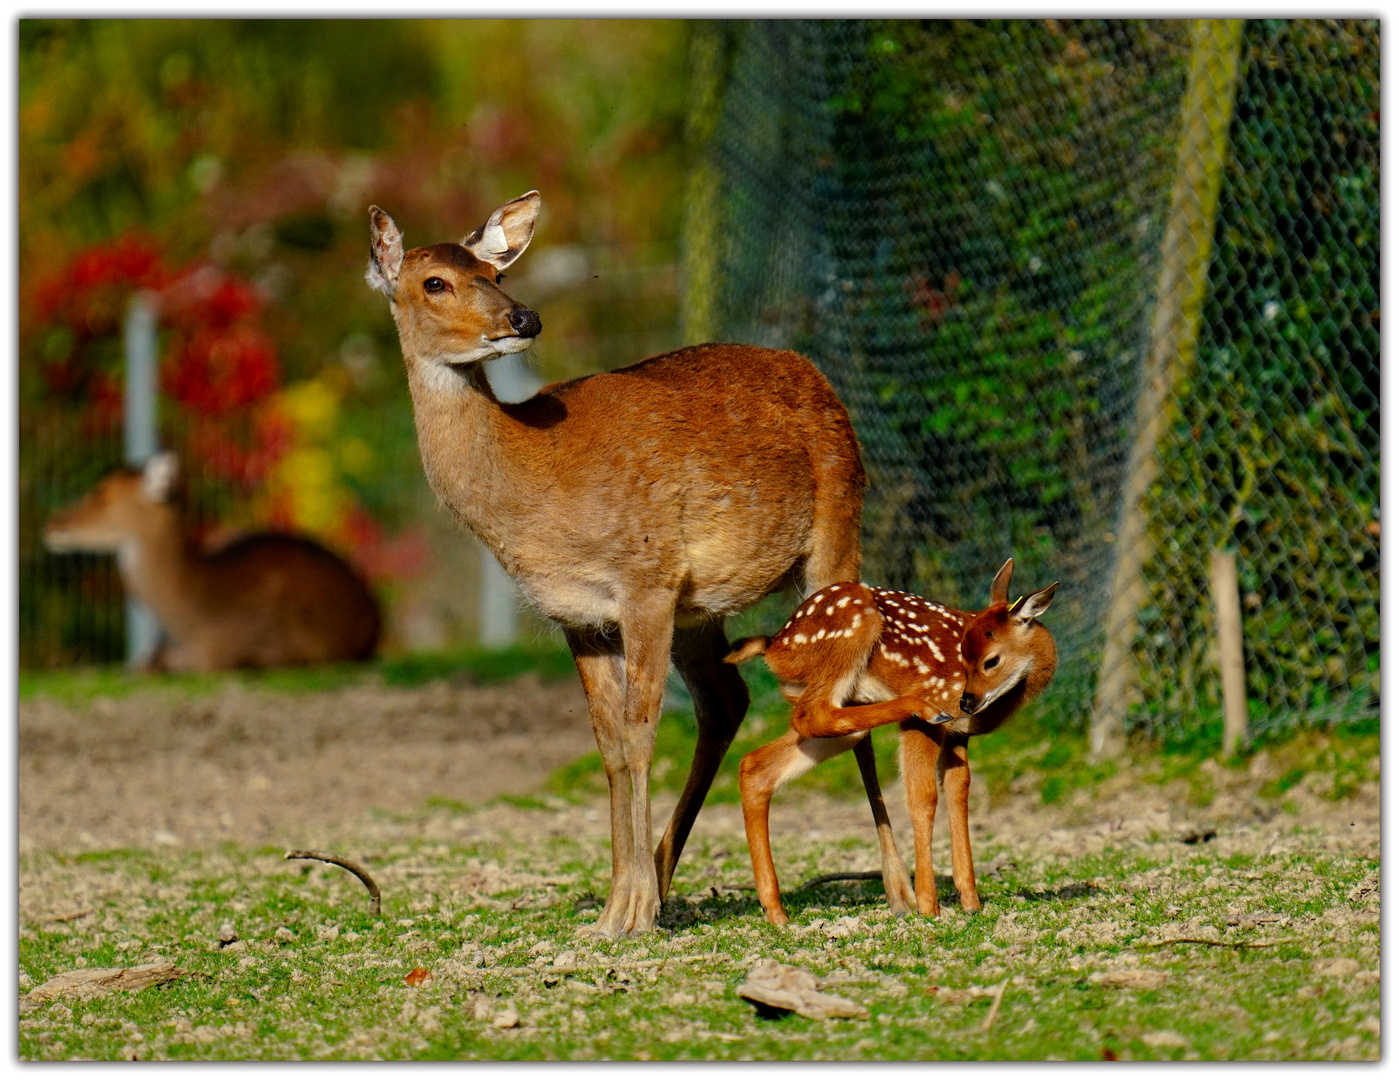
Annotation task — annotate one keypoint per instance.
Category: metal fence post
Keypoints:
(140, 438)
(1206, 112)
(499, 616)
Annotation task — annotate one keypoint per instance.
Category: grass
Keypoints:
(314, 976)
(78, 686)
(495, 911)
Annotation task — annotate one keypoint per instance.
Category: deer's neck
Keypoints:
(160, 568)
(483, 463)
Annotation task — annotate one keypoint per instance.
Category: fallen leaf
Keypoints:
(784, 988)
(419, 976)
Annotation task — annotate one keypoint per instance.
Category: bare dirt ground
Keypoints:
(252, 766)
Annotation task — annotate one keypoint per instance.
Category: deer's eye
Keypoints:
(434, 284)
(991, 661)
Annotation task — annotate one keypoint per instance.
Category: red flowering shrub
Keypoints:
(215, 371)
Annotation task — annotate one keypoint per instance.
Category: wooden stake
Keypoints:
(1224, 584)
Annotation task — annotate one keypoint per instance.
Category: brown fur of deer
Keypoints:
(637, 508)
(261, 600)
(853, 658)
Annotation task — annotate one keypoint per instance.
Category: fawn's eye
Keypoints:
(991, 661)
(434, 284)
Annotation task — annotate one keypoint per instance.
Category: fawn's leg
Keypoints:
(955, 779)
(818, 719)
(721, 699)
(920, 749)
(598, 657)
(761, 773)
(895, 870)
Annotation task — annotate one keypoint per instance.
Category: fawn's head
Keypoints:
(120, 507)
(1004, 646)
(446, 298)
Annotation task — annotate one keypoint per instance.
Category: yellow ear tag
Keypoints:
(1017, 602)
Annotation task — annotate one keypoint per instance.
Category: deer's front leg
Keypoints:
(955, 779)
(919, 767)
(818, 719)
(600, 664)
(646, 637)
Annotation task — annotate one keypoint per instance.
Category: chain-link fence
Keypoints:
(1098, 294)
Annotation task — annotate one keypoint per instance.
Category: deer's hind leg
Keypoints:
(894, 870)
(760, 774)
(721, 699)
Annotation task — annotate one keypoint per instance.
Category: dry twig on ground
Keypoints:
(354, 868)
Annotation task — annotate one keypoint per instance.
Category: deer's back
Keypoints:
(269, 598)
(698, 469)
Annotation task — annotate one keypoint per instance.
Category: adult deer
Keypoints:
(262, 600)
(852, 658)
(636, 508)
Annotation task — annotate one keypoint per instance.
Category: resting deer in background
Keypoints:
(853, 658)
(636, 508)
(262, 600)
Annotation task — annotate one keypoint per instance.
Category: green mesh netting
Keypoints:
(962, 224)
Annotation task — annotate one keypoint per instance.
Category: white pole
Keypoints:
(512, 380)
(140, 438)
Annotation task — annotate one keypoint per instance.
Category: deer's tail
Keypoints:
(747, 648)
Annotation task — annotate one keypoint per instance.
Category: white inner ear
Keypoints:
(494, 240)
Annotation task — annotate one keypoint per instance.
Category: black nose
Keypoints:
(968, 704)
(525, 322)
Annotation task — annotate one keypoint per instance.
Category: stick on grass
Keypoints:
(995, 1006)
(856, 875)
(354, 868)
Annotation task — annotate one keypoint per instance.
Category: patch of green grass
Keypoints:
(497, 921)
(78, 686)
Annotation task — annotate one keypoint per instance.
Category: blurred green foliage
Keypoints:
(257, 145)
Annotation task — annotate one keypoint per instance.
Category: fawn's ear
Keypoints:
(1034, 605)
(158, 476)
(506, 233)
(1000, 587)
(385, 253)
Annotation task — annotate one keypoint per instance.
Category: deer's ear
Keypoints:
(385, 253)
(1000, 587)
(1034, 605)
(158, 476)
(506, 233)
